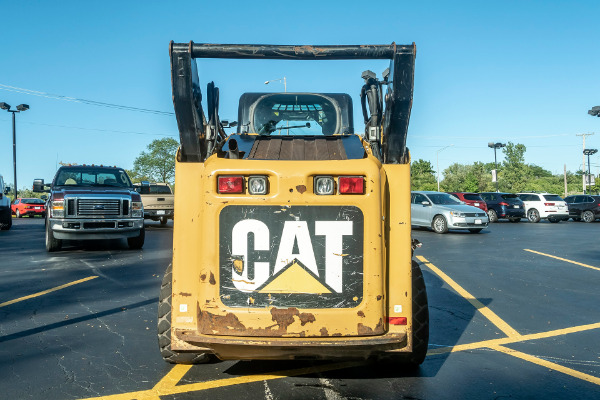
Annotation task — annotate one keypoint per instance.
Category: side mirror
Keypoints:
(425, 203)
(38, 186)
(145, 187)
(7, 190)
(44, 197)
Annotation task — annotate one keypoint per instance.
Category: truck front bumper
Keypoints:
(95, 228)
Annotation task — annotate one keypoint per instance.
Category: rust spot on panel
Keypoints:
(284, 317)
(361, 314)
(203, 277)
(366, 330)
(218, 324)
(336, 335)
(301, 189)
(379, 297)
(238, 265)
(324, 331)
(185, 294)
(306, 318)
(212, 280)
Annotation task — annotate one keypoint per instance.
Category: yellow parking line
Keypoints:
(489, 314)
(523, 338)
(54, 289)
(563, 259)
(167, 386)
(548, 364)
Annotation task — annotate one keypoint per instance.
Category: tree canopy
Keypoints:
(157, 163)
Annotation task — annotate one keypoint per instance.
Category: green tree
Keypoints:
(515, 174)
(422, 176)
(467, 178)
(158, 163)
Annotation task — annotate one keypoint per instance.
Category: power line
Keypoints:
(15, 89)
(96, 129)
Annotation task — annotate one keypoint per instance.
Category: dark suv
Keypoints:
(504, 206)
(583, 207)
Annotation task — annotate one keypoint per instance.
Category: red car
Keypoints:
(31, 207)
(472, 199)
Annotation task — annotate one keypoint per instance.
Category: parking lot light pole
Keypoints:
(279, 80)
(437, 160)
(496, 146)
(20, 107)
(588, 153)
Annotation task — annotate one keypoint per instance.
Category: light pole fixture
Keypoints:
(20, 108)
(495, 146)
(595, 111)
(437, 160)
(279, 80)
(588, 153)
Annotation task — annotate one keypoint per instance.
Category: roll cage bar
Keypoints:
(386, 121)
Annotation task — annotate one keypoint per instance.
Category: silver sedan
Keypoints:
(442, 211)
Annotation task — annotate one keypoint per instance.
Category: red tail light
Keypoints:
(503, 204)
(397, 320)
(548, 204)
(231, 184)
(351, 185)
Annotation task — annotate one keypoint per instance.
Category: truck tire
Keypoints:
(6, 220)
(52, 244)
(420, 328)
(137, 242)
(164, 326)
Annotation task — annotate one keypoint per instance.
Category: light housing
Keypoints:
(351, 184)
(257, 185)
(137, 209)
(230, 184)
(57, 208)
(324, 185)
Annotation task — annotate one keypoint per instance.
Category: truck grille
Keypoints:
(98, 207)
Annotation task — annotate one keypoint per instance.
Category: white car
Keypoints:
(548, 206)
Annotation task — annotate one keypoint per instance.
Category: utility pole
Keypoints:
(583, 155)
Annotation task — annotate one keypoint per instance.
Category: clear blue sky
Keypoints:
(518, 71)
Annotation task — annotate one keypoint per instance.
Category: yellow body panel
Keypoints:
(203, 320)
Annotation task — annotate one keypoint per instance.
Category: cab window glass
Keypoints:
(302, 114)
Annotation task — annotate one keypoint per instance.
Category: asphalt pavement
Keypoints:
(513, 314)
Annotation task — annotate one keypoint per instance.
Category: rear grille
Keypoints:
(98, 207)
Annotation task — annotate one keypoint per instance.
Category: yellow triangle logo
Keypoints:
(294, 279)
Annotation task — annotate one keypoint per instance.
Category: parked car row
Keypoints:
(474, 211)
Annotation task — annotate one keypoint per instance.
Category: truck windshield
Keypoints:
(92, 177)
(295, 114)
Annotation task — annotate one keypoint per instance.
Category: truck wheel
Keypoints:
(164, 326)
(420, 328)
(137, 242)
(6, 220)
(439, 224)
(492, 215)
(52, 244)
(163, 220)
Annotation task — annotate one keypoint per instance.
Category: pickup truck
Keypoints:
(91, 203)
(158, 200)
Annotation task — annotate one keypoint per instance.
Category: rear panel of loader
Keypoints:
(291, 268)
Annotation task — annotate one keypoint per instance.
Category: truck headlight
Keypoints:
(57, 208)
(137, 209)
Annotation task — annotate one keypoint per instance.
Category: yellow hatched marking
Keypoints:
(563, 259)
(54, 289)
(522, 338)
(489, 314)
(548, 364)
(167, 386)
